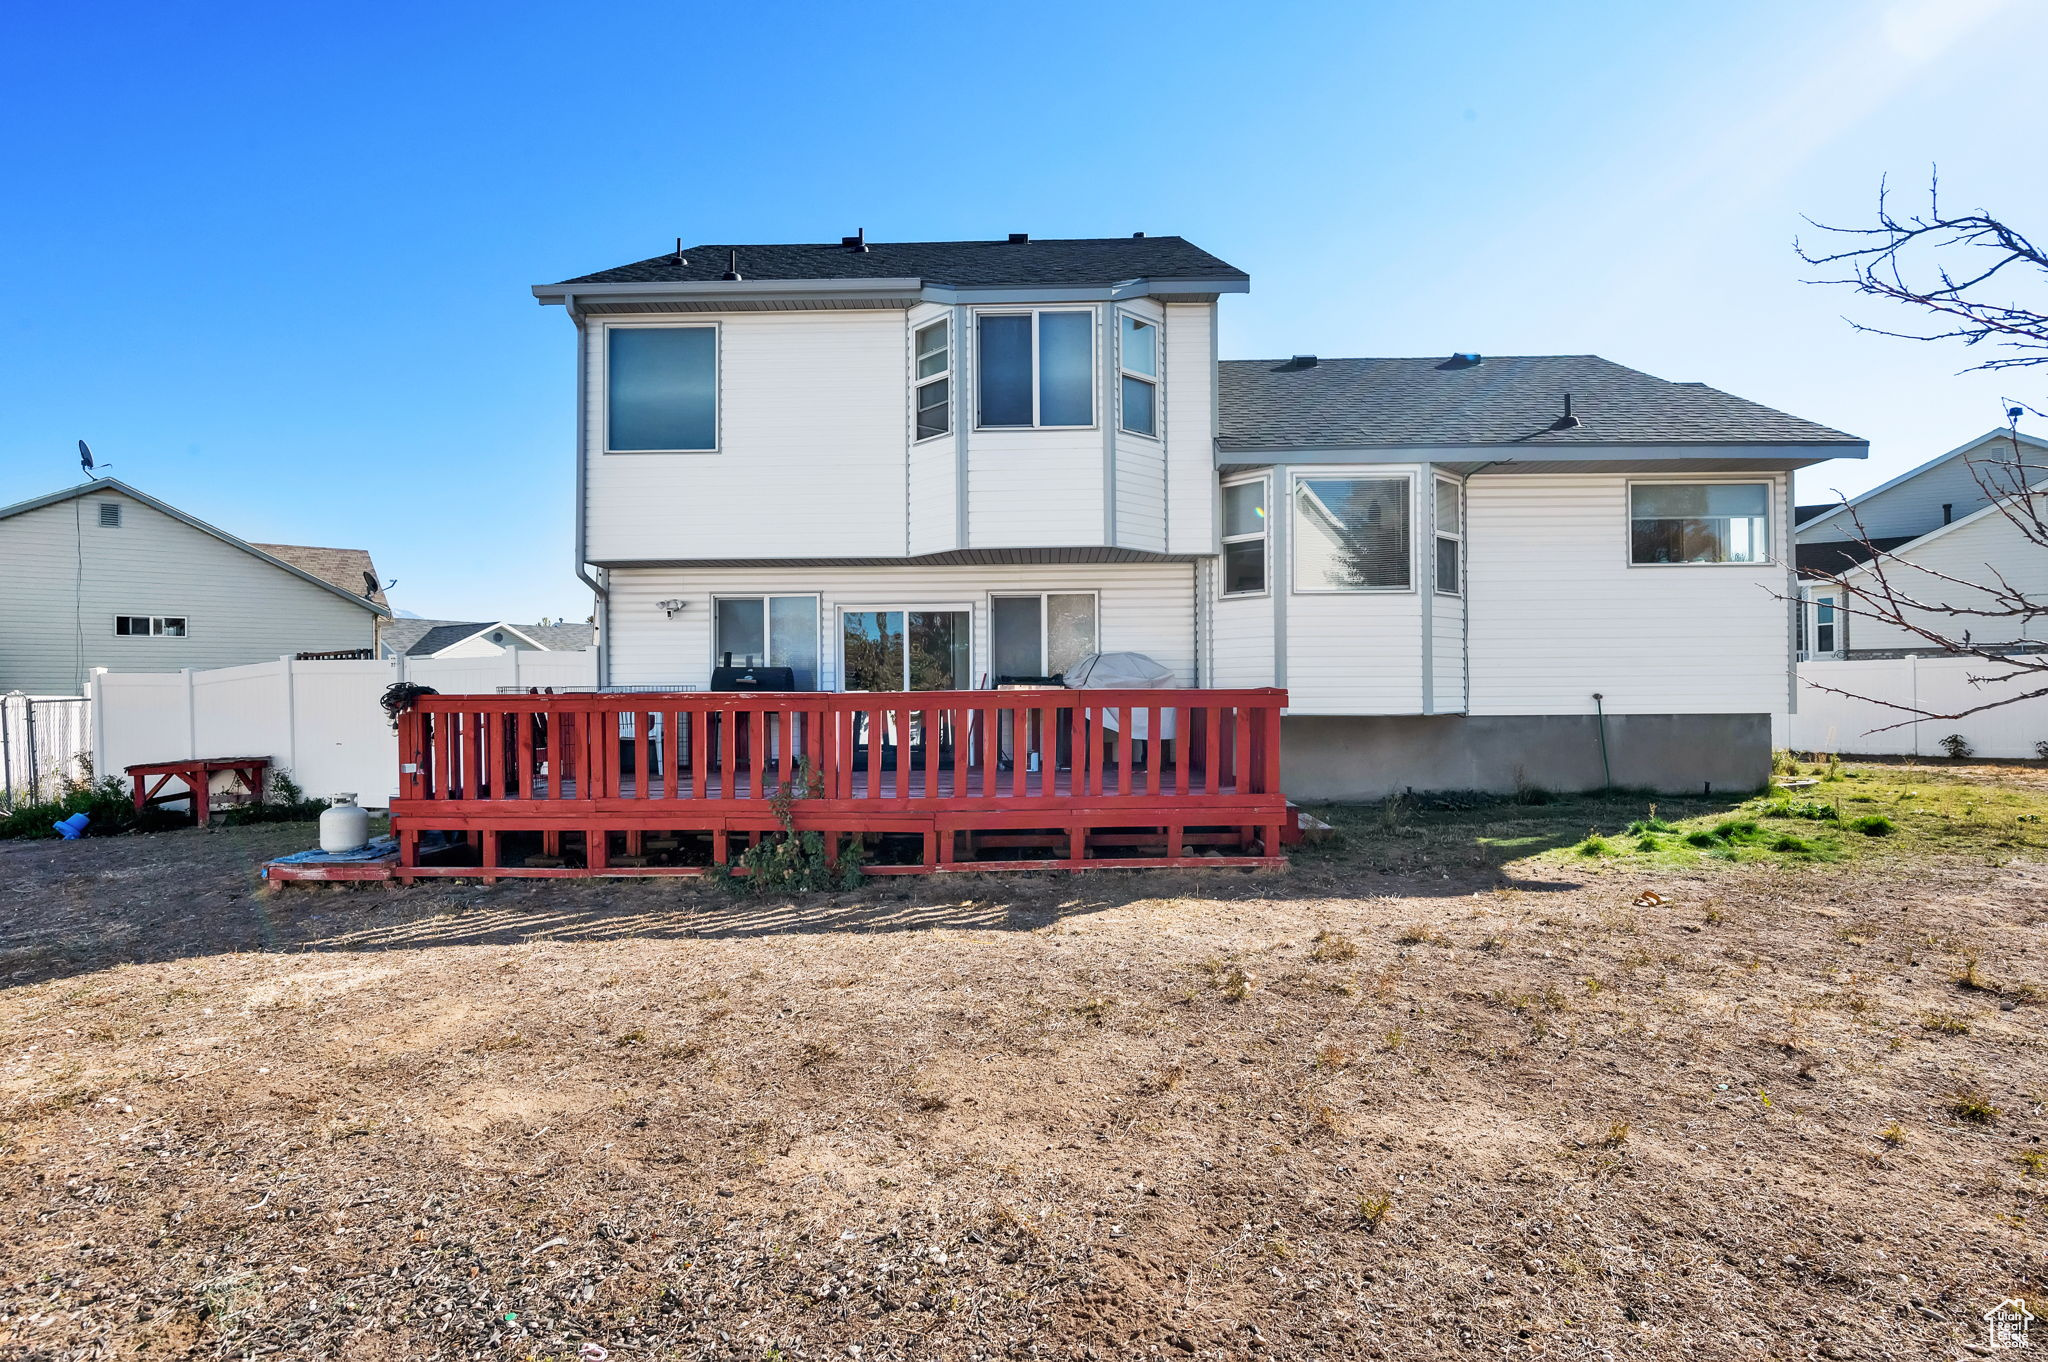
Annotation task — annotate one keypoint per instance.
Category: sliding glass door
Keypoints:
(906, 649)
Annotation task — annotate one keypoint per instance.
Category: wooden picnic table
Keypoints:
(197, 773)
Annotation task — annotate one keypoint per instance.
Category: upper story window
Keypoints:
(110, 515)
(1036, 368)
(1138, 358)
(1351, 534)
(1699, 522)
(1244, 537)
(1450, 537)
(661, 389)
(151, 626)
(934, 381)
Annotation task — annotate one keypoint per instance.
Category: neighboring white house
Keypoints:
(937, 464)
(102, 575)
(486, 638)
(1931, 531)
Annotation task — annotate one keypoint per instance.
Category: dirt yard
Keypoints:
(1441, 1089)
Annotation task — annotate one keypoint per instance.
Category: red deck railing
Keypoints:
(619, 766)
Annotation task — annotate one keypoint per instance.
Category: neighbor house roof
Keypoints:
(100, 486)
(1508, 400)
(349, 569)
(1837, 557)
(424, 638)
(1085, 262)
(1833, 509)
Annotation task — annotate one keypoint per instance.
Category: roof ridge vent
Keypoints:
(1302, 362)
(857, 243)
(1019, 238)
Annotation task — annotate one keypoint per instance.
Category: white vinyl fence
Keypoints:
(319, 720)
(1837, 723)
(44, 741)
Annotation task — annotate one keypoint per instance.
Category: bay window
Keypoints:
(1244, 537)
(1699, 522)
(1138, 363)
(934, 383)
(661, 389)
(1036, 368)
(1450, 536)
(1351, 534)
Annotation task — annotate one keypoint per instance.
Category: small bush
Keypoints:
(1968, 1104)
(790, 862)
(1958, 747)
(1873, 825)
(1737, 830)
(1596, 845)
(106, 804)
(1784, 763)
(1699, 838)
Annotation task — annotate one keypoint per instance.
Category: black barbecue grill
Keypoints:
(729, 677)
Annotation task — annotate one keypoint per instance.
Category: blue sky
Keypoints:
(272, 260)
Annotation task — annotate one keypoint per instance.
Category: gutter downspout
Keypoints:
(597, 588)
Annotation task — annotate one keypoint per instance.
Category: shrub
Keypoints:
(1958, 747)
(1873, 825)
(106, 803)
(1784, 763)
(1596, 845)
(789, 862)
(283, 802)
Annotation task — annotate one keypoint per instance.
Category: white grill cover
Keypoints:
(1124, 671)
(1118, 671)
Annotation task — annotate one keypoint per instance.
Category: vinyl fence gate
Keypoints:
(44, 741)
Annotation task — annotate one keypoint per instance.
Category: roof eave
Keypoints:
(1800, 453)
(881, 291)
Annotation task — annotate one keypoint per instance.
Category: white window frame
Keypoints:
(1832, 597)
(919, 383)
(1770, 535)
(1437, 532)
(156, 626)
(840, 609)
(1299, 476)
(1043, 598)
(604, 385)
(1156, 378)
(1094, 316)
(765, 597)
(1265, 538)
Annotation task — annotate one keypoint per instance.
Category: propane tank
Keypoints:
(344, 826)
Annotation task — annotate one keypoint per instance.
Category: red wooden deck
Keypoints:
(661, 784)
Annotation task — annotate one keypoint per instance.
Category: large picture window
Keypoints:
(1351, 534)
(1699, 522)
(934, 381)
(1244, 537)
(1036, 368)
(769, 631)
(1138, 361)
(661, 389)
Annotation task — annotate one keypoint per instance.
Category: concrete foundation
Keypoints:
(1372, 757)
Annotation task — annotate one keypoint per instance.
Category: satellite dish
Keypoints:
(85, 459)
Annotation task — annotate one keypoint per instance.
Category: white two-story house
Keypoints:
(937, 465)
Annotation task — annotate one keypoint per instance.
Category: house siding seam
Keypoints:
(238, 608)
(1142, 607)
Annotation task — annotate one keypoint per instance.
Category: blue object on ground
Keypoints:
(72, 828)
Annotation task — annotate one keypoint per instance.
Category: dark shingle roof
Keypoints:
(1086, 262)
(345, 568)
(1839, 556)
(1502, 400)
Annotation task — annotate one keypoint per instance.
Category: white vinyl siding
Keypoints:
(1143, 607)
(813, 422)
(1034, 489)
(1968, 552)
(933, 464)
(1914, 506)
(1557, 613)
(1188, 427)
(237, 608)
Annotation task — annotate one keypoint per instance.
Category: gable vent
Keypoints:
(110, 515)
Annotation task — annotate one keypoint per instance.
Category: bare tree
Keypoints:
(1973, 277)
